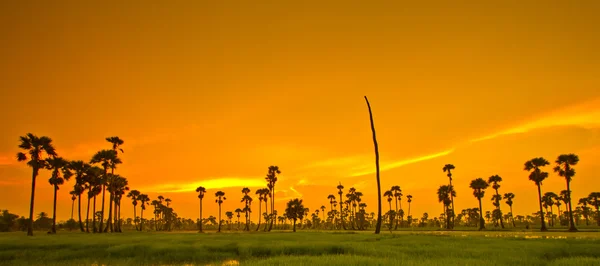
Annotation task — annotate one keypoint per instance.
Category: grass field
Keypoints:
(303, 248)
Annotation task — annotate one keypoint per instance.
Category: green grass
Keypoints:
(303, 248)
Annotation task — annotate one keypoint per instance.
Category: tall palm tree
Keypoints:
(444, 193)
(73, 194)
(295, 210)
(409, 200)
(262, 196)
(36, 147)
(246, 199)
(397, 198)
(594, 200)
(106, 158)
(390, 195)
(378, 226)
(448, 169)
(120, 185)
(220, 198)
(538, 176)
(564, 168)
(271, 180)
(144, 199)
(135, 196)
(60, 173)
(229, 215)
(479, 185)
(509, 201)
(495, 182)
(80, 170)
(201, 191)
(238, 211)
(94, 185)
(341, 192)
(548, 199)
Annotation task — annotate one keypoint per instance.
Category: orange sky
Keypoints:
(212, 94)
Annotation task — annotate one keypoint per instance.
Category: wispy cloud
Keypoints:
(585, 115)
(7, 160)
(369, 169)
(212, 183)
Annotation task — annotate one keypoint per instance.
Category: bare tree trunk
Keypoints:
(53, 230)
(79, 211)
(30, 225)
(378, 226)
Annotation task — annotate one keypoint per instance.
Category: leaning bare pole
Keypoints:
(378, 226)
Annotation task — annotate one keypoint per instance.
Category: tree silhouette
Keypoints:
(80, 170)
(106, 158)
(536, 175)
(134, 195)
(341, 192)
(144, 199)
(73, 194)
(409, 200)
(479, 185)
(36, 147)
(495, 182)
(295, 211)
(594, 200)
(60, 173)
(271, 180)
(378, 226)
(397, 198)
(548, 200)
(238, 211)
(444, 193)
(448, 169)
(390, 195)
(584, 202)
(262, 196)
(229, 215)
(564, 168)
(509, 201)
(201, 191)
(220, 198)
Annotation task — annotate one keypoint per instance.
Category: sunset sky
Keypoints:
(213, 94)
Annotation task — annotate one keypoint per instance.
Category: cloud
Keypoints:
(7, 160)
(585, 115)
(213, 183)
(370, 169)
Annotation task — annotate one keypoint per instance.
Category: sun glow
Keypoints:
(216, 183)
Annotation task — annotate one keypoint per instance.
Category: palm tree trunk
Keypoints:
(572, 227)
(109, 220)
(94, 215)
(79, 212)
(219, 218)
(72, 208)
(396, 224)
(53, 231)
(451, 196)
(378, 226)
(134, 218)
(543, 229)
(200, 222)
(142, 218)
(512, 216)
(272, 208)
(294, 229)
(87, 216)
(498, 201)
(552, 215)
(259, 214)
(267, 211)
(481, 222)
(103, 200)
(30, 225)
(342, 212)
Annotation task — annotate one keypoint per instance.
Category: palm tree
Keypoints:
(60, 173)
(105, 158)
(295, 211)
(584, 202)
(323, 212)
(118, 188)
(94, 185)
(220, 198)
(479, 185)
(495, 182)
(201, 191)
(409, 200)
(509, 201)
(389, 196)
(80, 170)
(246, 199)
(341, 192)
(144, 199)
(564, 168)
(36, 147)
(73, 194)
(536, 175)
(444, 193)
(448, 168)
(594, 200)
(135, 196)
(548, 199)
(271, 180)
(397, 198)
(229, 215)
(238, 211)
(378, 226)
(262, 196)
